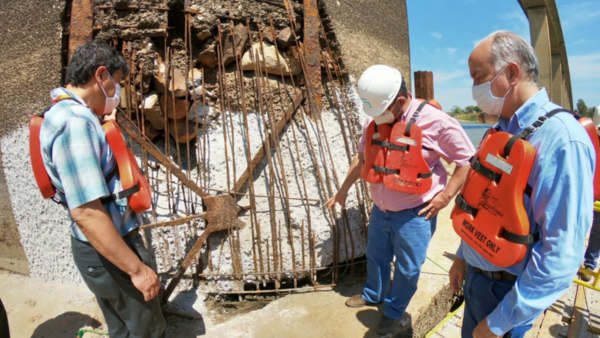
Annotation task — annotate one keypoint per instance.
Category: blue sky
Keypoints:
(443, 34)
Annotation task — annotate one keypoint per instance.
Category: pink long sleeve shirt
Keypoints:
(447, 139)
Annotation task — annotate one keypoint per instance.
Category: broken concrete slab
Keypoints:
(208, 56)
(286, 64)
(151, 132)
(177, 85)
(176, 108)
(198, 111)
(233, 44)
(285, 38)
(152, 111)
(182, 131)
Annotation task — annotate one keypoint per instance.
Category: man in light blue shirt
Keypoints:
(503, 301)
(106, 246)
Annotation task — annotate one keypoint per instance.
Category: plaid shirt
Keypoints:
(78, 158)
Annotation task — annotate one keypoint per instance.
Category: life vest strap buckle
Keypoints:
(464, 206)
(480, 168)
(386, 170)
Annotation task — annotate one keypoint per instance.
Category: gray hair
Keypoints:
(509, 47)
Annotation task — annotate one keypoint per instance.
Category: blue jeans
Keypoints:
(593, 250)
(405, 235)
(482, 296)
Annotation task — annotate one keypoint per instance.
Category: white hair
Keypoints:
(509, 47)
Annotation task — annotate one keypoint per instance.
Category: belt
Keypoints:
(496, 275)
(131, 235)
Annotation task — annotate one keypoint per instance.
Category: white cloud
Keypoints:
(578, 14)
(579, 42)
(442, 77)
(437, 35)
(584, 67)
(450, 51)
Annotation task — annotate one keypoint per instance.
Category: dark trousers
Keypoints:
(125, 311)
(482, 296)
(593, 250)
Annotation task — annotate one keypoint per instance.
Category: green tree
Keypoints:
(456, 110)
(582, 108)
(592, 110)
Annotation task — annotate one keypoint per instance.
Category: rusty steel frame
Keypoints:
(309, 54)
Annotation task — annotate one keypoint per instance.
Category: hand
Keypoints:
(147, 282)
(112, 116)
(439, 202)
(483, 330)
(457, 274)
(339, 197)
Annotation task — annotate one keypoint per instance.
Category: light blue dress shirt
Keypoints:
(78, 158)
(560, 209)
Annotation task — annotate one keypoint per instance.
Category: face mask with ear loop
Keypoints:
(486, 101)
(111, 103)
(387, 116)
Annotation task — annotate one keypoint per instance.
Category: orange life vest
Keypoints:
(393, 155)
(490, 214)
(135, 186)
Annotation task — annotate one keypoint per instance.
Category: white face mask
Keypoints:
(486, 101)
(386, 117)
(110, 103)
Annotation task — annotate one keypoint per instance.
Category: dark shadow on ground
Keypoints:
(190, 323)
(64, 325)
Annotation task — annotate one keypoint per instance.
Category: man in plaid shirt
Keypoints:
(106, 246)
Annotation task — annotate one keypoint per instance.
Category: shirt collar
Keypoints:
(409, 111)
(527, 114)
(56, 92)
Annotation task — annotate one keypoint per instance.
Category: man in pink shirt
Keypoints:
(401, 223)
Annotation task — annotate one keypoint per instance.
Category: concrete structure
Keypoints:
(31, 63)
(371, 32)
(547, 39)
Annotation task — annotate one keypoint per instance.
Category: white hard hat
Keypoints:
(377, 88)
(596, 119)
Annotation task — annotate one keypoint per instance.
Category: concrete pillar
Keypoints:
(565, 94)
(424, 85)
(540, 39)
(557, 96)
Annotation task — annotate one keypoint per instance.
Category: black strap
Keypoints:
(520, 239)
(528, 190)
(414, 117)
(389, 145)
(464, 206)
(532, 128)
(480, 168)
(386, 170)
(425, 175)
(121, 194)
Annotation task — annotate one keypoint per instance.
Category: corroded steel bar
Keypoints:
(222, 88)
(312, 50)
(133, 132)
(175, 222)
(82, 22)
(261, 151)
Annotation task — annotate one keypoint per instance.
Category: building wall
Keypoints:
(30, 66)
(371, 32)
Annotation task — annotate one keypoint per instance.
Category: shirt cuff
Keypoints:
(497, 324)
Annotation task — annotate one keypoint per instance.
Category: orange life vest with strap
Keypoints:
(393, 155)
(490, 214)
(135, 186)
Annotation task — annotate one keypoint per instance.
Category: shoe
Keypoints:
(358, 301)
(584, 277)
(386, 325)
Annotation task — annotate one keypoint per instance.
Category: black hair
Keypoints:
(89, 57)
(403, 91)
